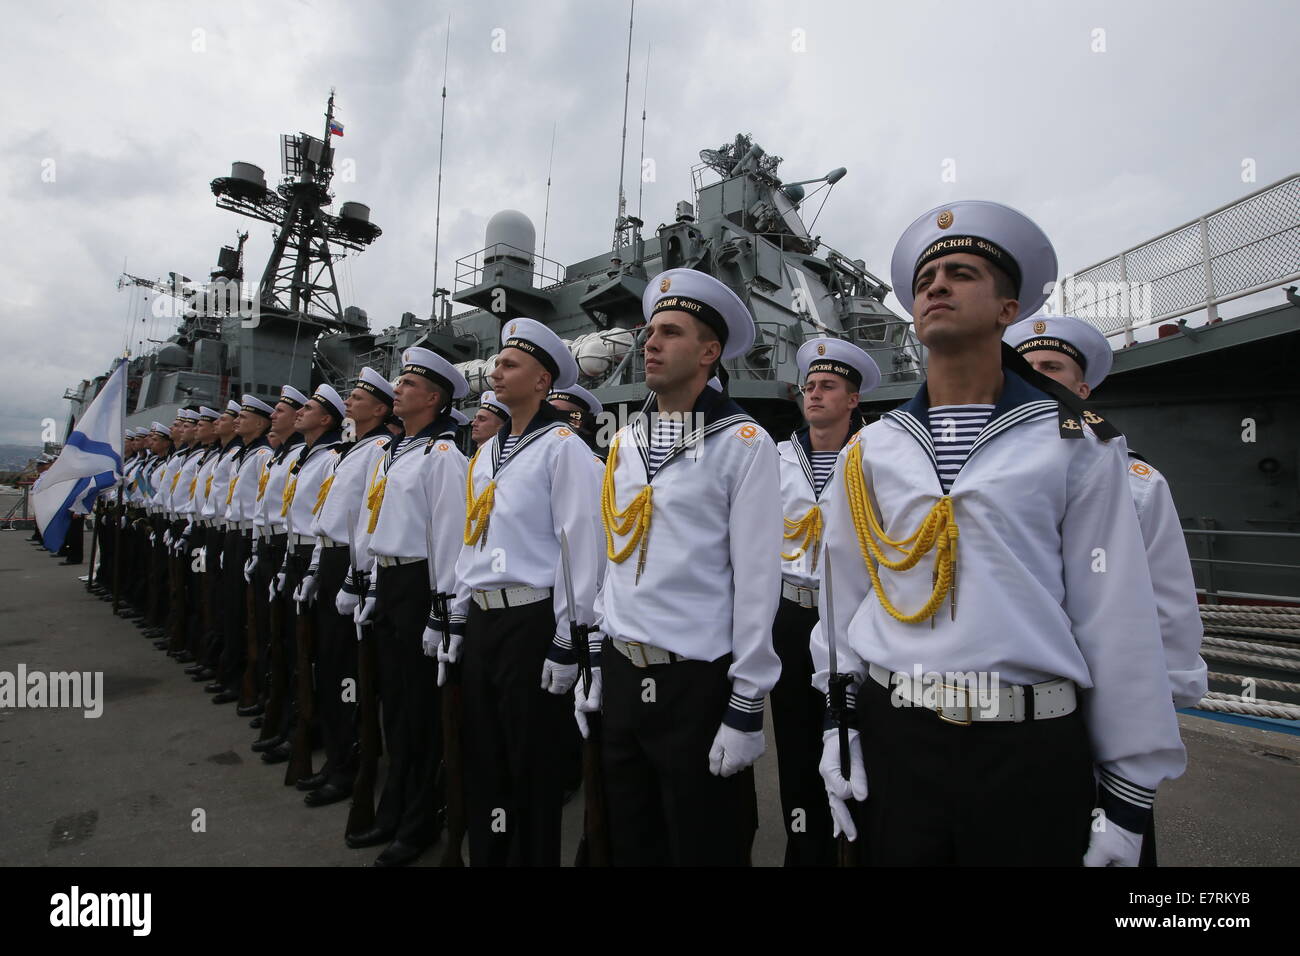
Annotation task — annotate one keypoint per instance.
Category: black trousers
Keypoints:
(408, 692)
(664, 806)
(798, 709)
(515, 738)
(275, 626)
(987, 794)
(230, 669)
(103, 522)
(214, 584)
(336, 671)
(195, 564)
(74, 543)
(296, 569)
(159, 593)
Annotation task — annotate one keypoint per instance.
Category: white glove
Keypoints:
(249, 566)
(277, 584)
(364, 609)
(838, 790)
(734, 750)
(153, 538)
(558, 678)
(345, 603)
(221, 560)
(305, 592)
(585, 703)
(167, 539)
(432, 640)
(448, 655)
(123, 523)
(1112, 845)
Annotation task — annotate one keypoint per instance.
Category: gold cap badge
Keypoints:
(821, 350)
(665, 285)
(1040, 328)
(945, 219)
(512, 328)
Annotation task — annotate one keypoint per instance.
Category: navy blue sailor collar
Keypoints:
(547, 416)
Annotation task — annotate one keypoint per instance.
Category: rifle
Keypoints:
(117, 562)
(248, 690)
(846, 853)
(300, 762)
(361, 817)
(593, 848)
(453, 758)
(95, 516)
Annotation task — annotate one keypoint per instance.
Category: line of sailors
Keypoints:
(697, 558)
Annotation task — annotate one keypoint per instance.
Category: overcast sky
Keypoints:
(131, 108)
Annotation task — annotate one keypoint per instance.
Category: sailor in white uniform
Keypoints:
(276, 640)
(1004, 636)
(194, 538)
(692, 512)
(488, 418)
(528, 485)
(320, 422)
(156, 470)
(214, 480)
(252, 427)
(1073, 352)
(834, 374)
(339, 501)
(415, 502)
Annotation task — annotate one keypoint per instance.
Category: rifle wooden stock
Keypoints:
(248, 688)
(453, 763)
(362, 815)
(300, 761)
(95, 517)
(593, 849)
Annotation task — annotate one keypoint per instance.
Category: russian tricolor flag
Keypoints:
(336, 128)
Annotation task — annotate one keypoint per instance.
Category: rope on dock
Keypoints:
(1264, 682)
(1233, 704)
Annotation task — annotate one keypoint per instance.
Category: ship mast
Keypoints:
(620, 220)
(435, 318)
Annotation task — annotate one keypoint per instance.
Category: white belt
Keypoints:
(960, 705)
(804, 597)
(386, 562)
(327, 542)
(516, 596)
(301, 539)
(644, 655)
(240, 525)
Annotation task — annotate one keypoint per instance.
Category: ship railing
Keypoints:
(469, 269)
(1246, 246)
(1213, 567)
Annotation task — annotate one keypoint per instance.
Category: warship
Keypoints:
(1215, 405)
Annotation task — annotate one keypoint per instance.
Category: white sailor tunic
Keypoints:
(545, 485)
(1052, 579)
(711, 575)
(417, 487)
(1181, 629)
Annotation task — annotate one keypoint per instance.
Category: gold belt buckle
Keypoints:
(634, 650)
(953, 720)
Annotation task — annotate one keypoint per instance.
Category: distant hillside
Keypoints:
(14, 457)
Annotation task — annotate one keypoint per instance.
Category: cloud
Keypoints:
(140, 105)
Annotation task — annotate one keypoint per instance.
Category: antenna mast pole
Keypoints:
(437, 216)
(645, 92)
(622, 156)
(546, 216)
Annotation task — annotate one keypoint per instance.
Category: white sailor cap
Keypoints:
(579, 396)
(188, 414)
(489, 401)
(842, 358)
(378, 386)
(292, 397)
(530, 336)
(706, 298)
(211, 414)
(1073, 337)
(1002, 235)
(232, 408)
(328, 398)
(458, 417)
(426, 362)
(160, 429)
(251, 403)
(129, 433)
